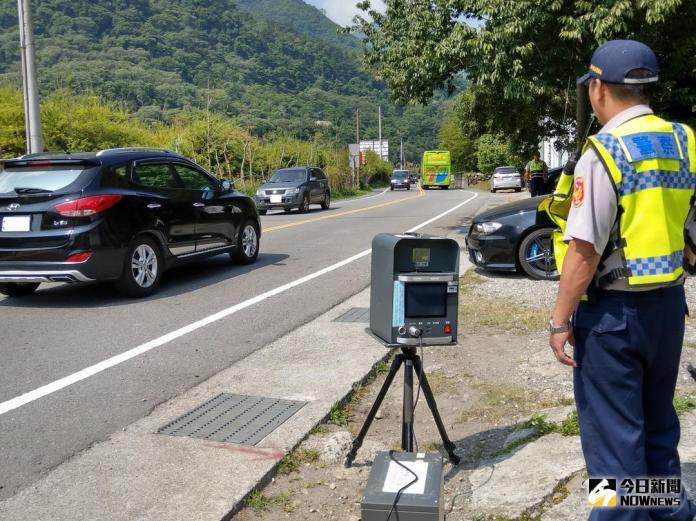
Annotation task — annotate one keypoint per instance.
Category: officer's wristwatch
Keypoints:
(563, 328)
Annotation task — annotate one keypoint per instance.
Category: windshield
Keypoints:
(289, 176)
(45, 178)
(399, 175)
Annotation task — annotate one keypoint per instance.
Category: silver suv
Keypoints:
(506, 178)
(296, 187)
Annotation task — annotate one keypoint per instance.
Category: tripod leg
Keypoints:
(407, 423)
(358, 441)
(428, 393)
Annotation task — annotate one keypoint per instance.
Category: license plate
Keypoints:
(16, 223)
(276, 198)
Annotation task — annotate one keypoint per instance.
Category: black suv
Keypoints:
(290, 188)
(120, 214)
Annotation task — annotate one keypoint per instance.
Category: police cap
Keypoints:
(613, 61)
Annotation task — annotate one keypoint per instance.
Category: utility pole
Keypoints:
(357, 140)
(402, 154)
(32, 110)
(380, 131)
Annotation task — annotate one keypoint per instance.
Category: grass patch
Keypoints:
(338, 415)
(382, 367)
(441, 383)
(690, 345)
(312, 484)
(684, 403)
(320, 429)
(499, 401)
(481, 311)
(260, 503)
(349, 192)
(568, 427)
(432, 446)
(284, 502)
(293, 460)
(359, 392)
(560, 493)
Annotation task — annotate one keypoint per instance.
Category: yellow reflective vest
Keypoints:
(652, 164)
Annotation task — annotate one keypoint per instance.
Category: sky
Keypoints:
(343, 11)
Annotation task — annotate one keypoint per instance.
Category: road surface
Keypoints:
(80, 362)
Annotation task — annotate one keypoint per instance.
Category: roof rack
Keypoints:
(134, 149)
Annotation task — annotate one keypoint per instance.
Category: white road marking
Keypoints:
(66, 381)
(357, 199)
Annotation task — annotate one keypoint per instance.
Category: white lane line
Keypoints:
(357, 199)
(429, 221)
(66, 381)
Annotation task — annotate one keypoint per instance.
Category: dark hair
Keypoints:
(639, 92)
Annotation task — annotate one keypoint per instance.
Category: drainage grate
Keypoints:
(354, 315)
(234, 418)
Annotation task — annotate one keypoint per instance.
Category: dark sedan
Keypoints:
(512, 237)
(400, 179)
(124, 215)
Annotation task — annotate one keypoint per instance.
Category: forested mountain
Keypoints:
(297, 16)
(159, 57)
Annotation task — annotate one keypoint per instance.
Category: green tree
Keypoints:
(462, 147)
(375, 170)
(525, 55)
(492, 151)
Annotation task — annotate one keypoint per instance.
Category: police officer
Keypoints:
(536, 175)
(622, 278)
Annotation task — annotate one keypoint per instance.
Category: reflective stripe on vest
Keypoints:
(649, 160)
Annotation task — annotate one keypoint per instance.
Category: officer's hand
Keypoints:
(558, 342)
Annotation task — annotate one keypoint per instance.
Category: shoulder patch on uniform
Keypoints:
(651, 145)
(579, 192)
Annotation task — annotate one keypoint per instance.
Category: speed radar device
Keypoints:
(413, 303)
(414, 293)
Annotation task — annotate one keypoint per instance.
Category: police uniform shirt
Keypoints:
(592, 216)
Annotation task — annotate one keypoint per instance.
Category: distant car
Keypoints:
(296, 187)
(510, 237)
(506, 178)
(400, 179)
(124, 215)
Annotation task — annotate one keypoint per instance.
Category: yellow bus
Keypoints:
(436, 169)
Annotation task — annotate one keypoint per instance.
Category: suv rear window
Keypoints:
(46, 178)
(506, 170)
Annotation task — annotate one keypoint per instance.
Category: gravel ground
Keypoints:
(485, 388)
(541, 293)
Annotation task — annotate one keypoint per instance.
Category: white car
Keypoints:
(506, 178)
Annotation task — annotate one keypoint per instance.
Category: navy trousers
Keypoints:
(536, 186)
(628, 347)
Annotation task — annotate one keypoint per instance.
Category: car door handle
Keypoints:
(154, 206)
(198, 205)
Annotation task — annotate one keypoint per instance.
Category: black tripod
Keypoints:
(410, 359)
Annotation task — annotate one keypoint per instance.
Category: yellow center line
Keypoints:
(421, 193)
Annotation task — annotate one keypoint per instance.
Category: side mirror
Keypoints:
(226, 185)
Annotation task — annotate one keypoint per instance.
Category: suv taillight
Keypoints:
(87, 206)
